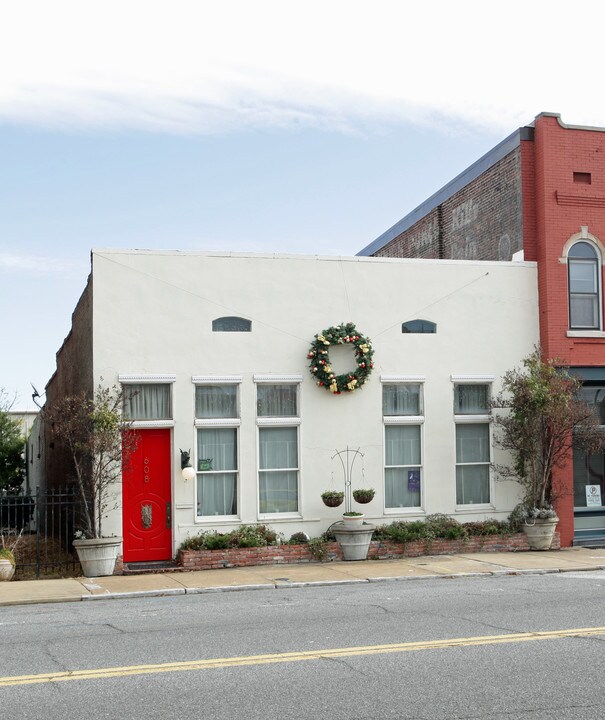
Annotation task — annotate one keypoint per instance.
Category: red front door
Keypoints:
(147, 499)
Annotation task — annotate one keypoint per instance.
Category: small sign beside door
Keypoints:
(593, 495)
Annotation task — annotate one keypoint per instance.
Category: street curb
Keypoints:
(296, 585)
(228, 588)
(319, 583)
(584, 569)
(134, 594)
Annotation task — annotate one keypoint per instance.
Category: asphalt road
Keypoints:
(425, 650)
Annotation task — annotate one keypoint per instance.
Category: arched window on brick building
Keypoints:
(584, 282)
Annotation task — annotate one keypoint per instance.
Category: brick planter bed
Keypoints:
(379, 550)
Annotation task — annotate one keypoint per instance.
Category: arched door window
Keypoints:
(583, 265)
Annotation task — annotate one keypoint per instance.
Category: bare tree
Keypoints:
(99, 443)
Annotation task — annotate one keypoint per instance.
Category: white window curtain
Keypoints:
(277, 400)
(278, 476)
(472, 469)
(403, 471)
(217, 487)
(471, 399)
(148, 401)
(216, 494)
(401, 399)
(402, 444)
(216, 401)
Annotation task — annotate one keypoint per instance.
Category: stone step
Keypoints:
(151, 567)
(590, 541)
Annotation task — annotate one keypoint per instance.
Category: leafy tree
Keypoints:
(98, 443)
(545, 419)
(12, 463)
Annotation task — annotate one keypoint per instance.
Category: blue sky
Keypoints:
(266, 126)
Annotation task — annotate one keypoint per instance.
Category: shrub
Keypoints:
(440, 526)
(403, 532)
(444, 526)
(317, 548)
(6, 554)
(487, 527)
(298, 538)
(245, 536)
(253, 536)
(216, 541)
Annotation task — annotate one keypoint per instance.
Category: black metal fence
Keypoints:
(44, 524)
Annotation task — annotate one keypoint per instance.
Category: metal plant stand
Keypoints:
(348, 458)
(355, 541)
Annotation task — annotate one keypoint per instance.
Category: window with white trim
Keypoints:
(147, 401)
(584, 278)
(278, 447)
(402, 410)
(217, 423)
(473, 443)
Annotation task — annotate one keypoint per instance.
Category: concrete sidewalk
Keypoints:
(288, 576)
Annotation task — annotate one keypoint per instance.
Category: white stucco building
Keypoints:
(215, 346)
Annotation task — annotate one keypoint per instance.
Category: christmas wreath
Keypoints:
(344, 334)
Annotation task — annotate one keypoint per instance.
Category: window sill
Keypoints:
(279, 517)
(478, 508)
(405, 511)
(461, 419)
(218, 422)
(585, 333)
(142, 424)
(403, 419)
(217, 519)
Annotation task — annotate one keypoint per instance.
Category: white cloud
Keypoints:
(198, 67)
(35, 264)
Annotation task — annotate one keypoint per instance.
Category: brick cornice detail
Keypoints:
(566, 198)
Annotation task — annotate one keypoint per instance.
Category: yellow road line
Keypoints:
(101, 673)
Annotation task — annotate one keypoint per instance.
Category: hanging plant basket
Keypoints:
(362, 496)
(332, 498)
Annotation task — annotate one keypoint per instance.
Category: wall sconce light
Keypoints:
(187, 470)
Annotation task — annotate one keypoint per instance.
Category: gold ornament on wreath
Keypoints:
(319, 357)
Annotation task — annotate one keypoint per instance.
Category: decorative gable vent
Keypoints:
(418, 326)
(231, 324)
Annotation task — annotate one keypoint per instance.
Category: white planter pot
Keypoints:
(355, 542)
(7, 569)
(540, 532)
(98, 556)
(353, 521)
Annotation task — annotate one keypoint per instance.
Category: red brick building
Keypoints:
(540, 192)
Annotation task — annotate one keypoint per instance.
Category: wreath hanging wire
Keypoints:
(321, 368)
